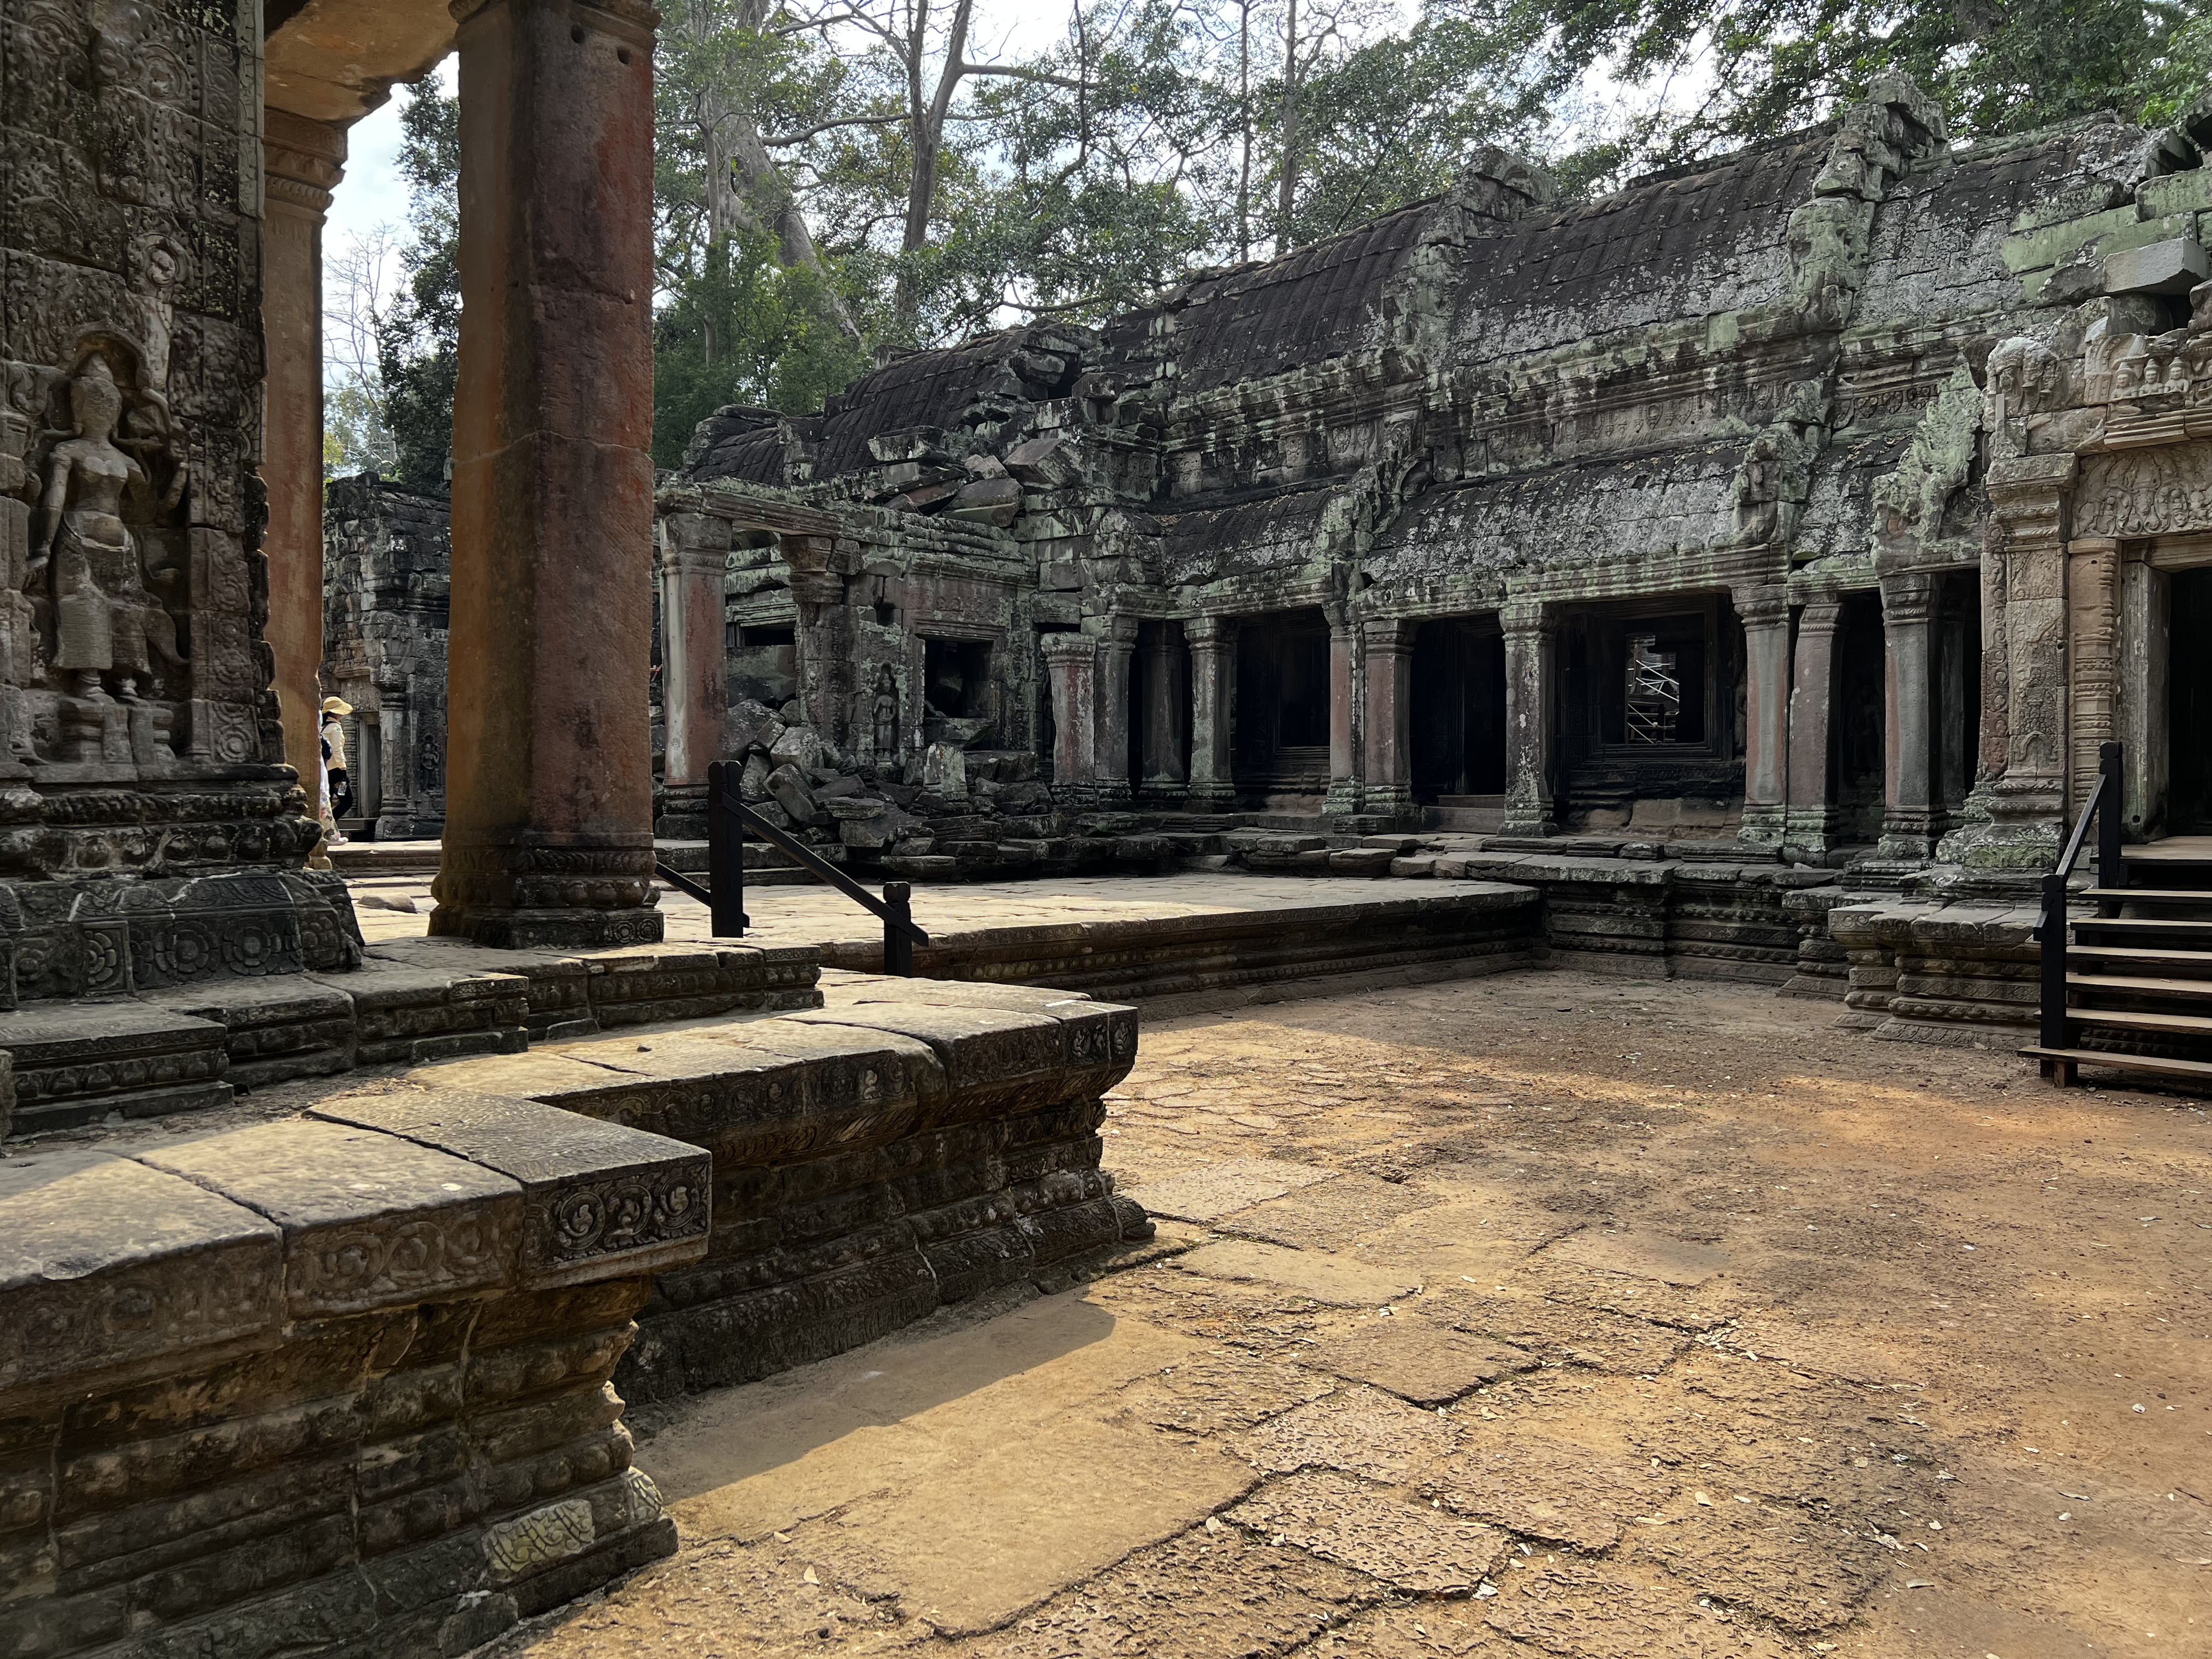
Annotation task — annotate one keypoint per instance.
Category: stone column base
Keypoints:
(1345, 795)
(1764, 825)
(529, 893)
(1212, 797)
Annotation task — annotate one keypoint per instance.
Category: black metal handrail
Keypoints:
(728, 817)
(2104, 805)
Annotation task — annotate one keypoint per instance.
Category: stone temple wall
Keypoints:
(388, 576)
(149, 833)
(1762, 403)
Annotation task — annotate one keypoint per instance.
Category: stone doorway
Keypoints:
(1857, 733)
(1458, 715)
(2189, 704)
(1281, 738)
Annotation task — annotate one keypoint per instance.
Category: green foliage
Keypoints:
(1997, 65)
(418, 340)
(744, 330)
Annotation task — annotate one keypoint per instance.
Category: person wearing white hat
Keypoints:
(337, 789)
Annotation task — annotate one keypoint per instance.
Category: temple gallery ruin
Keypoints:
(1747, 574)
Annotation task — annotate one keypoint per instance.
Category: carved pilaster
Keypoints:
(1212, 694)
(1388, 645)
(1910, 814)
(1810, 821)
(2013, 812)
(1765, 612)
(2093, 620)
(1344, 792)
(1531, 693)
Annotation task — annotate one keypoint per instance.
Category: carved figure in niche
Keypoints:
(86, 566)
(886, 712)
(430, 765)
(157, 264)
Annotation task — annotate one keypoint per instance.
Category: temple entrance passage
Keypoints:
(1281, 740)
(1458, 715)
(1856, 725)
(2189, 728)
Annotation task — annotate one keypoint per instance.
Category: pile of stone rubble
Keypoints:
(953, 814)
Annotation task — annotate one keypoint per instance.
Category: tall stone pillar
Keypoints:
(1212, 697)
(549, 803)
(695, 668)
(1071, 665)
(1389, 643)
(1345, 793)
(2014, 826)
(302, 162)
(1766, 615)
(822, 642)
(1810, 821)
(1531, 694)
(395, 736)
(1166, 773)
(1911, 815)
(1110, 746)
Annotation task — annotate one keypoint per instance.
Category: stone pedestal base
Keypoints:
(1212, 797)
(546, 930)
(1346, 796)
(1764, 825)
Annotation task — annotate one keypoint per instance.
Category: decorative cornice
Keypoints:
(302, 161)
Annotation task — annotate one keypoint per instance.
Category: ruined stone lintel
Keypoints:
(531, 890)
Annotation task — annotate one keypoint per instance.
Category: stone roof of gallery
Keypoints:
(1615, 509)
(1269, 317)
(1700, 240)
(1203, 544)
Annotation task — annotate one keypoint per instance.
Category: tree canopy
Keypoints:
(836, 178)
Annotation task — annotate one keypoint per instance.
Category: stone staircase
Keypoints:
(1479, 815)
(2139, 973)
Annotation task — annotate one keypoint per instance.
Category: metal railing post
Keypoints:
(726, 856)
(898, 945)
(2112, 870)
(2057, 1032)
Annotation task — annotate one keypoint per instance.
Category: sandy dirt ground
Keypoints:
(1544, 1315)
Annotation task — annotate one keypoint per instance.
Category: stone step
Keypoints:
(2109, 929)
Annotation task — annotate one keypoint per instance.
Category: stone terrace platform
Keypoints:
(335, 1380)
(1122, 938)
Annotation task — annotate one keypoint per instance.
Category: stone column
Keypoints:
(1166, 773)
(1345, 793)
(549, 800)
(1531, 671)
(1212, 695)
(1766, 615)
(303, 161)
(2092, 658)
(1109, 756)
(1071, 665)
(694, 667)
(1810, 824)
(2014, 816)
(1910, 815)
(1389, 643)
(395, 734)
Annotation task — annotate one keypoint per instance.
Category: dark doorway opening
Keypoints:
(1281, 728)
(1458, 714)
(955, 678)
(2189, 713)
(1957, 690)
(1857, 733)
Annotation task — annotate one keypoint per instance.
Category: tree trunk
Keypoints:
(1290, 181)
(929, 138)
